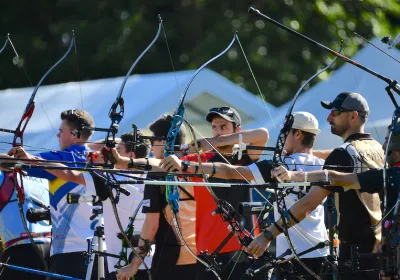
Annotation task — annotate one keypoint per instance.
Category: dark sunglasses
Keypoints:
(336, 112)
(222, 110)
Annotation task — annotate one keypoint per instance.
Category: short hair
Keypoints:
(76, 119)
(363, 119)
(161, 127)
(142, 147)
(308, 138)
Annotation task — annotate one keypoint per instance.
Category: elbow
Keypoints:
(264, 134)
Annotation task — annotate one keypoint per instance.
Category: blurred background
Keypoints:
(111, 34)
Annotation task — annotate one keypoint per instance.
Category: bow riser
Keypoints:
(19, 131)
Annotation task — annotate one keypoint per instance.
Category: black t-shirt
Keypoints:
(167, 247)
(355, 222)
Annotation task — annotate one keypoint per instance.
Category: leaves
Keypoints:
(111, 34)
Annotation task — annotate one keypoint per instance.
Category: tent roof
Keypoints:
(147, 97)
(351, 78)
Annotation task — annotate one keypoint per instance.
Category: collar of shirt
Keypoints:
(357, 136)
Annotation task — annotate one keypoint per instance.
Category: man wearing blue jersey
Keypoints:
(71, 222)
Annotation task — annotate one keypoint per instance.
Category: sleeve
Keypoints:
(338, 160)
(152, 199)
(371, 181)
(41, 173)
(261, 171)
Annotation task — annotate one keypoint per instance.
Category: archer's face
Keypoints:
(158, 148)
(220, 126)
(121, 148)
(65, 136)
(340, 124)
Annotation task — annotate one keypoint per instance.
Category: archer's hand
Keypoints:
(20, 153)
(126, 272)
(281, 174)
(121, 162)
(95, 157)
(258, 246)
(171, 163)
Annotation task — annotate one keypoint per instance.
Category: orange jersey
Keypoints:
(210, 230)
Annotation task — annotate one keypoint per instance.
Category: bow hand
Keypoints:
(171, 163)
(258, 246)
(126, 272)
(281, 174)
(20, 153)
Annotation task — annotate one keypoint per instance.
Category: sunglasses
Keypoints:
(336, 112)
(222, 110)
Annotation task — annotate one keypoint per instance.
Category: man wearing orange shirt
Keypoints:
(226, 125)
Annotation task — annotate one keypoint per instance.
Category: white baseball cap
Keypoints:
(306, 122)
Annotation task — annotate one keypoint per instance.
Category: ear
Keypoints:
(299, 135)
(238, 129)
(132, 155)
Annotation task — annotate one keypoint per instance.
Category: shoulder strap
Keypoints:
(355, 156)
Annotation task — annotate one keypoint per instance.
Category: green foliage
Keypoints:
(111, 34)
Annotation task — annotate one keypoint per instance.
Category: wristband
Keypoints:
(278, 227)
(326, 175)
(293, 217)
(213, 170)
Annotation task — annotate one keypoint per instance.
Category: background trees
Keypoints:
(110, 35)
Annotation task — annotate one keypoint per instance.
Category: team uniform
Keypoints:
(71, 224)
(206, 222)
(15, 241)
(359, 212)
(311, 230)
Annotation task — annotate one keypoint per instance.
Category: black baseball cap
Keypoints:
(228, 113)
(349, 101)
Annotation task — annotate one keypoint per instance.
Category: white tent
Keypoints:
(147, 97)
(351, 78)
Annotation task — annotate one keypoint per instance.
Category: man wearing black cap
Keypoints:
(226, 126)
(360, 213)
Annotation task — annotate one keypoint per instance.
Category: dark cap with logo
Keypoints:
(349, 101)
(227, 113)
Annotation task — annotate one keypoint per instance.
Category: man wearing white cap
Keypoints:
(312, 230)
(299, 143)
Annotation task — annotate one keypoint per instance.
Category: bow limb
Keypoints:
(278, 159)
(389, 263)
(18, 141)
(116, 114)
(4, 46)
(172, 192)
(129, 233)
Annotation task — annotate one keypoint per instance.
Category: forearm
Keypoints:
(221, 170)
(257, 137)
(149, 230)
(348, 180)
(139, 163)
(302, 208)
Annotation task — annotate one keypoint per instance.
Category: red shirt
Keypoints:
(210, 230)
